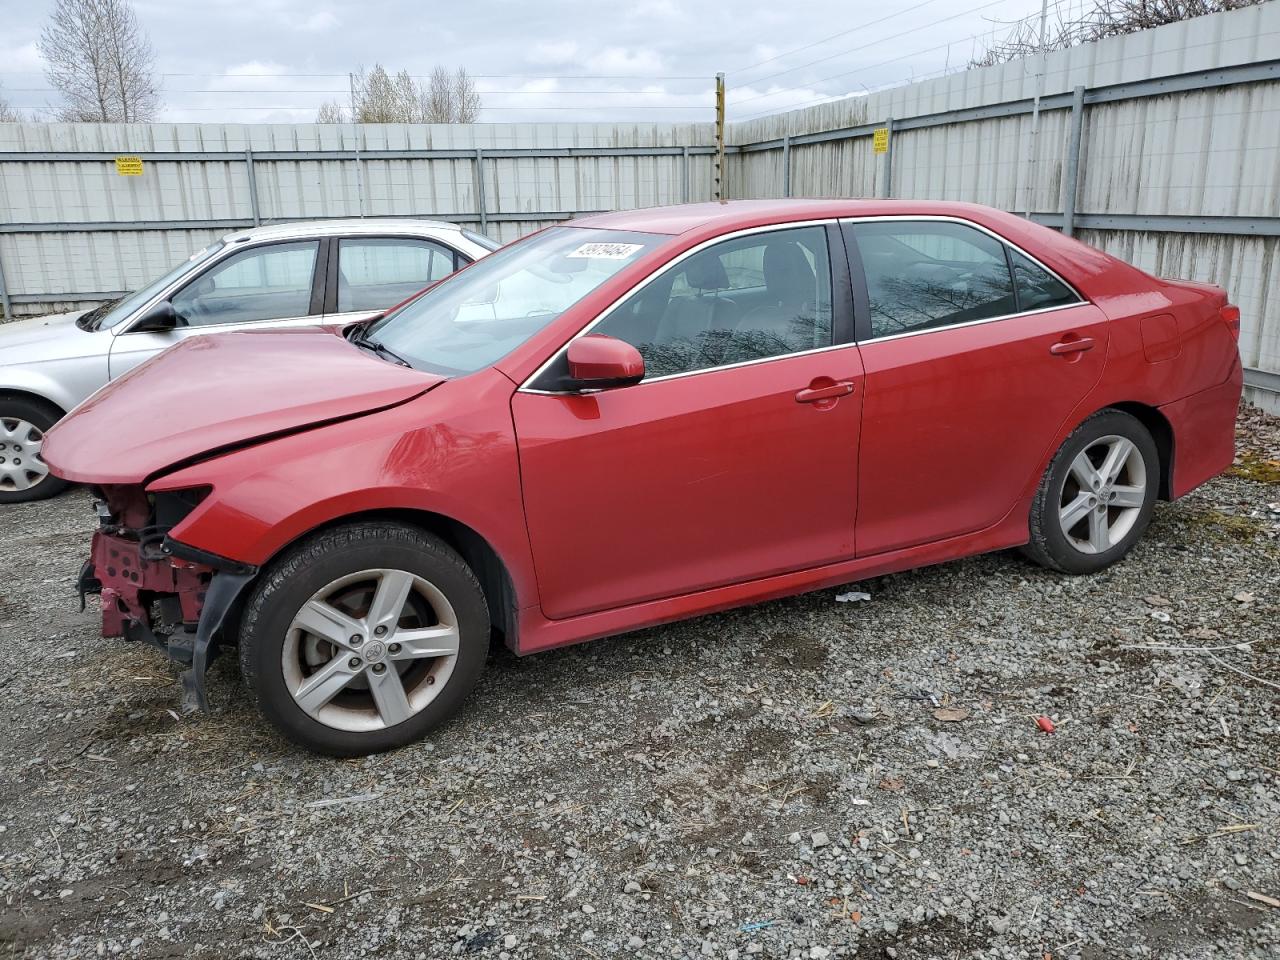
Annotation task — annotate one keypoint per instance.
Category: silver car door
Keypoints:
(264, 286)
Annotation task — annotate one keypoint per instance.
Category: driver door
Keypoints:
(269, 285)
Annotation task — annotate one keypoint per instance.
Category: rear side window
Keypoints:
(374, 274)
(1038, 289)
(930, 274)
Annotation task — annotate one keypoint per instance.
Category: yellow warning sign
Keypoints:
(879, 140)
(129, 166)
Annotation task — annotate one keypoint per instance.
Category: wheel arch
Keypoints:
(476, 551)
(1161, 432)
(17, 393)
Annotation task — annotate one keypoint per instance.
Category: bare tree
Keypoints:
(466, 99)
(7, 113)
(381, 97)
(99, 58)
(1107, 18)
(331, 112)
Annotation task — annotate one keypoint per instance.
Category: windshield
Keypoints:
(111, 313)
(477, 316)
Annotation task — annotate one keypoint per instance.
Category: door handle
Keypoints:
(812, 394)
(1078, 345)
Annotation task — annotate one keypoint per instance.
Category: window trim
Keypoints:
(862, 315)
(317, 272)
(330, 305)
(840, 302)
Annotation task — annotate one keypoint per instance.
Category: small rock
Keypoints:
(818, 839)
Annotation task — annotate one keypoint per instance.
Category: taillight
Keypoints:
(1231, 317)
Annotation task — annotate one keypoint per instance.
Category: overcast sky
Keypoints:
(277, 60)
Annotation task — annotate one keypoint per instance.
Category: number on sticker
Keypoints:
(605, 251)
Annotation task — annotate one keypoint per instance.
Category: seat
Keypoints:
(787, 320)
(687, 318)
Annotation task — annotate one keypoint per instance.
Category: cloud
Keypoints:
(554, 53)
(319, 21)
(620, 61)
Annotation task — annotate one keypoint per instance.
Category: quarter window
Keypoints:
(374, 274)
(750, 298)
(926, 274)
(1038, 289)
(263, 283)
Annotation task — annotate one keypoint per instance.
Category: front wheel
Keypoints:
(364, 637)
(1097, 497)
(24, 475)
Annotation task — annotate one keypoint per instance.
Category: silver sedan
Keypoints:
(293, 274)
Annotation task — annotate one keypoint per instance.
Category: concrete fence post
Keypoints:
(1071, 176)
(253, 185)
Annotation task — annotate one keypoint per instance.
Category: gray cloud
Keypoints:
(277, 60)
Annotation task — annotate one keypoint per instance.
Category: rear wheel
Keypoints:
(1097, 496)
(363, 638)
(24, 475)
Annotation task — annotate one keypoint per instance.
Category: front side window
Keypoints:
(374, 274)
(271, 282)
(753, 297)
(479, 315)
(922, 275)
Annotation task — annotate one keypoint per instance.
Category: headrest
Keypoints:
(704, 271)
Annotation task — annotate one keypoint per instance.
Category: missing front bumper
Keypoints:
(195, 591)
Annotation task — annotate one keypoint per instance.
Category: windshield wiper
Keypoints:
(89, 321)
(364, 340)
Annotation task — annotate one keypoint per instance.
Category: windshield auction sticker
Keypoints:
(605, 251)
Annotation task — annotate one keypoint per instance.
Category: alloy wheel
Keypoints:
(370, 650)
(21, 463)
(1103, 494)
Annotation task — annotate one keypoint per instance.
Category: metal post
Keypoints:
(684, 173)
(1072, 174)
(1033, 155)
(720, 193)
(253, 185)
(4, 296)
(355, 131)
(886, 189)
(480, 201)
(786, 165)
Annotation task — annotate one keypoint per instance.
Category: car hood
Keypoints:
(54, 337)
(220, 391)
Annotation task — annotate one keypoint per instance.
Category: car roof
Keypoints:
(351, 225)
(726, 215)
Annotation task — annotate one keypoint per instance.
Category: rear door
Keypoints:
(366, 275)
(969, 375)
(734, 459)
(266, 285)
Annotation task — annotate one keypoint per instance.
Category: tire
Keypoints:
(23, 423)
(1079, 528)
(327, 680)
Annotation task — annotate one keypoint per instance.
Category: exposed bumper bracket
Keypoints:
(224, 588)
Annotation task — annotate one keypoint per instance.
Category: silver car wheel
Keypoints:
(1102, 494)
(21, 465)
(370, 650)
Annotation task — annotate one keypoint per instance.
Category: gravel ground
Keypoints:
(806, 778)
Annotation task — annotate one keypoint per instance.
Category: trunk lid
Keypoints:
(217, 392)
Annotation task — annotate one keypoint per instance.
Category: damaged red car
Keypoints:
(631, 419)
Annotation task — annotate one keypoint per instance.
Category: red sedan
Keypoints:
(631, 419)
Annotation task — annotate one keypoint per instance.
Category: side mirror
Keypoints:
(597, 362)
(158, 319)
